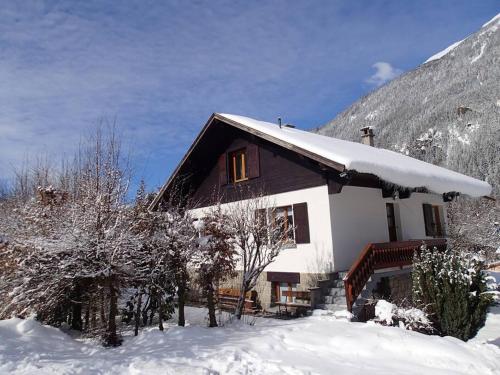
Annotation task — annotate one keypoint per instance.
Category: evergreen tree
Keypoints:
(451, 287)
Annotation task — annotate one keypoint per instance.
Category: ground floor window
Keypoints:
(283, 292)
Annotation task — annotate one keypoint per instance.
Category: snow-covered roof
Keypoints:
(388, 165)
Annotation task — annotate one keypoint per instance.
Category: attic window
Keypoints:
(238, 166)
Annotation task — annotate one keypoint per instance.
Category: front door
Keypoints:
(391, 222)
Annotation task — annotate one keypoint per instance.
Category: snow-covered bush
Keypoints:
(410, 318)
(216, 257)
(452, 287)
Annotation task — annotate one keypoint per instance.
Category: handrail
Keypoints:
(377, 256)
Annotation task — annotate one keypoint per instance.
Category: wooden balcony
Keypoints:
(376, 256)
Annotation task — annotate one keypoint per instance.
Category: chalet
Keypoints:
(357, 210)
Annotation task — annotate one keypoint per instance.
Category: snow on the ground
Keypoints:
(490, 333)
(388, 165)
(320, 344)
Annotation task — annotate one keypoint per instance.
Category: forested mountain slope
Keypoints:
(446, 111)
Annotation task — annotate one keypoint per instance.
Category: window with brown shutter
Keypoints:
(301, 221)
(283, 216)
(432, 219)
(238, 166)
(292, 219)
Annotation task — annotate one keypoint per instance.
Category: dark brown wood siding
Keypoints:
(271, 170)
(222, 165)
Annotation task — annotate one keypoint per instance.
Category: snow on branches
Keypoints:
(452, 287)
(258, 233)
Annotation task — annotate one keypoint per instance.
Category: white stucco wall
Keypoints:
(316, 256)
(341, 225)
(412, 217)
(358, 217)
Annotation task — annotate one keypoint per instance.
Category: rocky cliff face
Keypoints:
(446, 111)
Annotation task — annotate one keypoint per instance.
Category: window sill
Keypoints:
(241, 180)
(290, 245)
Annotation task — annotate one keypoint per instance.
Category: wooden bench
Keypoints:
(228, 300)
(299, 308)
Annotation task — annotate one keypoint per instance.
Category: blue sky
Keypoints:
(160, 68)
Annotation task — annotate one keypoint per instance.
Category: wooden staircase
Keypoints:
(377, 256)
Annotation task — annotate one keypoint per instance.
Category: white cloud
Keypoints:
(384, 73)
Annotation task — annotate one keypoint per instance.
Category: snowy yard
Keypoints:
(315, 345)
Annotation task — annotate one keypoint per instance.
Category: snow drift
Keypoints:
(321, 344)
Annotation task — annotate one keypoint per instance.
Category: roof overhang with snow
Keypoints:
(346, 156)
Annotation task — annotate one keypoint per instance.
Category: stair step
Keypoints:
(338, 283)
(325, 283)
(334, 300)
(337, 292)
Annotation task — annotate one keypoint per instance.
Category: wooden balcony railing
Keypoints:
(376, 256)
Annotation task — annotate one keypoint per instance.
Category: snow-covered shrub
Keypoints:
(216, 257)
(410, 318)
(452, 287)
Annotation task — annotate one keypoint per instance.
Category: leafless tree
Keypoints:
(180, 240)
(258, 232)
(70, 250)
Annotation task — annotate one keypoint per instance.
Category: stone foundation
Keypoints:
(394, 288)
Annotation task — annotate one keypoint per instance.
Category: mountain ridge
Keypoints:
(445, 111)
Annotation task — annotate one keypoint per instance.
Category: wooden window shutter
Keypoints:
(437, 219)
(253, 163)
(428, 215)
(301, 222)
(222, 169)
